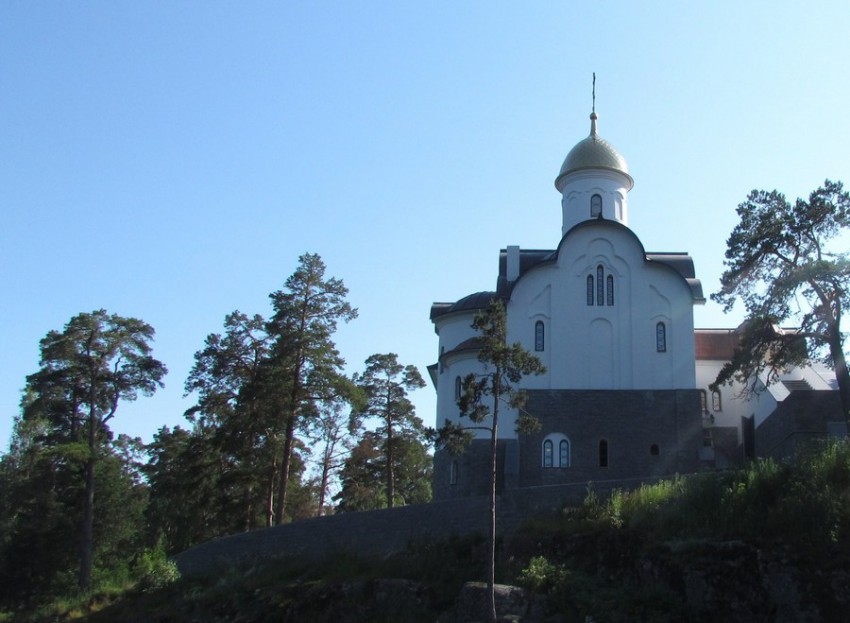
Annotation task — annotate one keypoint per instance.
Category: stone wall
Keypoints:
(387, 531)
(649, 433)
(800, 418)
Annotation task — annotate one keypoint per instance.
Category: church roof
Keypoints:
(594, 152)
(680, 262)
(478, 300)
(717, 344)
(683, 264)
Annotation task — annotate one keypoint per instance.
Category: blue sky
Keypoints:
(171, 160)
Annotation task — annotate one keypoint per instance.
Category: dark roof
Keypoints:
(478, 300)
(471, 344)
(528, 259)
(681, 262)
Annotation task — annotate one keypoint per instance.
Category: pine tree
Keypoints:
(482, 397)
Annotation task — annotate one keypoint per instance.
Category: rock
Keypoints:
(513, 605)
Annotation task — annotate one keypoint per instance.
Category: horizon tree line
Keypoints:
(276, 423)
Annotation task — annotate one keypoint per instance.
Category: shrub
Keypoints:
(541, 576)
(153, 570)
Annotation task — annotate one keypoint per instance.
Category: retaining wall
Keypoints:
(383, 532)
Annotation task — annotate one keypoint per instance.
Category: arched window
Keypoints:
(661, 337)
(601, 289)
(562, 444)
(564, 453)
(453, 473)
(653, 450)
(715, 400)
(600, 285)
(703, 401)
(603, 453)
(539, 336)
(547, 453)
(458, 388)
(595, 206)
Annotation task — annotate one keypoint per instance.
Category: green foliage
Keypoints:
(86, 370)
(153, 570)
(804, 501)
(542, 576)
(38, 559)
(304, 357)
(385, 384)
(783, 263)
(363, 475)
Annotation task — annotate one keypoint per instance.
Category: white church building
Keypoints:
(626, 390)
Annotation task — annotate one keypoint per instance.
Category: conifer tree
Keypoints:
(97, 361)
(386, 383)
(787, 264)
(304, 362)
(481, 399)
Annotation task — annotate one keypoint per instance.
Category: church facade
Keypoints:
(626, 390)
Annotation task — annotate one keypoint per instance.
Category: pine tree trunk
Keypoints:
(285, 463)
(390, 472)
(842, 376)
(491, 578)
(270, 494)
(323, 488)
(87, 544)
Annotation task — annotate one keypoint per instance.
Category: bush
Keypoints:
(541, 576)
(153, 570)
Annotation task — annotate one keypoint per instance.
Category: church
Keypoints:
(626, 394)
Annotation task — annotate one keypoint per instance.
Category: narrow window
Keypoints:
(653, 449)
(600, 285)
(453, 473)
(442, 352)
(715, 400)
(539, 336)
(458, 385)
(564, 453)
(547, 453)
(603, 453)
(661, 338)
(703, 401)
(595, 206)
(590, 289)
(609, 282)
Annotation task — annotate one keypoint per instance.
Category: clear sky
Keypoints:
(171, 160)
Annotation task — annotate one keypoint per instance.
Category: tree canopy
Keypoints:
(98, 360)
(305, 360)
(787, 264)
(385, 383)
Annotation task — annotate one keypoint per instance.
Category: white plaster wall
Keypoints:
(453, 329)
(605, 347)
(580, 186)
(732, 406)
